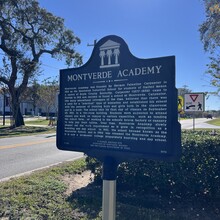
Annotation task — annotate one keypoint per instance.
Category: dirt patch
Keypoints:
(77, 181)
(129, 205)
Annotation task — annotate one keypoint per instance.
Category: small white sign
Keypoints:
(194, 102)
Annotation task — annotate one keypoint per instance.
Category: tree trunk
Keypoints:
(19, 120)
(16, 112)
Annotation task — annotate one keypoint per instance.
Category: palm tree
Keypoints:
(109, 54)
(116, 53)
(102, 55)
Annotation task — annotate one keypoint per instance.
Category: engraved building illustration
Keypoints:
(109, 54)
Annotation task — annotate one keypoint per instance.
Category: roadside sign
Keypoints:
(119, 106)
(180, 104)
(194, 102)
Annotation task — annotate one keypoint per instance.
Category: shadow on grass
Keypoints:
(87, 202)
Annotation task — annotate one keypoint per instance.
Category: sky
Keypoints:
(151, 28)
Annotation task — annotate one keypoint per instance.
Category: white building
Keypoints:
(26, 107)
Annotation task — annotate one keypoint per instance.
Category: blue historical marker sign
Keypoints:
(120, 106)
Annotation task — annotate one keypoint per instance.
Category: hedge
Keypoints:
(195, 176)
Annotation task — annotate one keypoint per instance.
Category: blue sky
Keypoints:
(151, 28)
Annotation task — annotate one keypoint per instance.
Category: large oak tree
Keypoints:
(27, 32)
(210, 36)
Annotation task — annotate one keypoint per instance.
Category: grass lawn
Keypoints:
(5, 131)
(32, 126)
(45, 195)
(48, 194)
(37, 122)
(40, 195)
(32, 121)
(214, 122)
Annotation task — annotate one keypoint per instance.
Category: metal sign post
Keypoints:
(109, 200)
(109, 189)
(194, 122)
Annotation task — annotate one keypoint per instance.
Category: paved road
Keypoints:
(24, 154)
(199, 123)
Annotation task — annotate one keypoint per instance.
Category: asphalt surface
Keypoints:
(20, 155)
(199, 123)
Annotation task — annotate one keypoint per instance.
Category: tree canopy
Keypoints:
(27, 32)
(210, 36)
(48, 95)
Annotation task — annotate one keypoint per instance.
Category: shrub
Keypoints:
(195, 176)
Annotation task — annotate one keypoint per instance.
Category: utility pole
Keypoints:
(92, 45)
(4, 100)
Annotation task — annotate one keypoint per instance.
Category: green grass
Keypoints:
(40, 195)
(37, 122)
(5, 131)
(33, 126)
(214, 122)
(33, 121)
(7, 122)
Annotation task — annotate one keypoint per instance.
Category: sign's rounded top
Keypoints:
(109, 50)
(112, 52)
(110, 41)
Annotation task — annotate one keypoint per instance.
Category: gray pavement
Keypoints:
(20, 155)
(199, 123)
